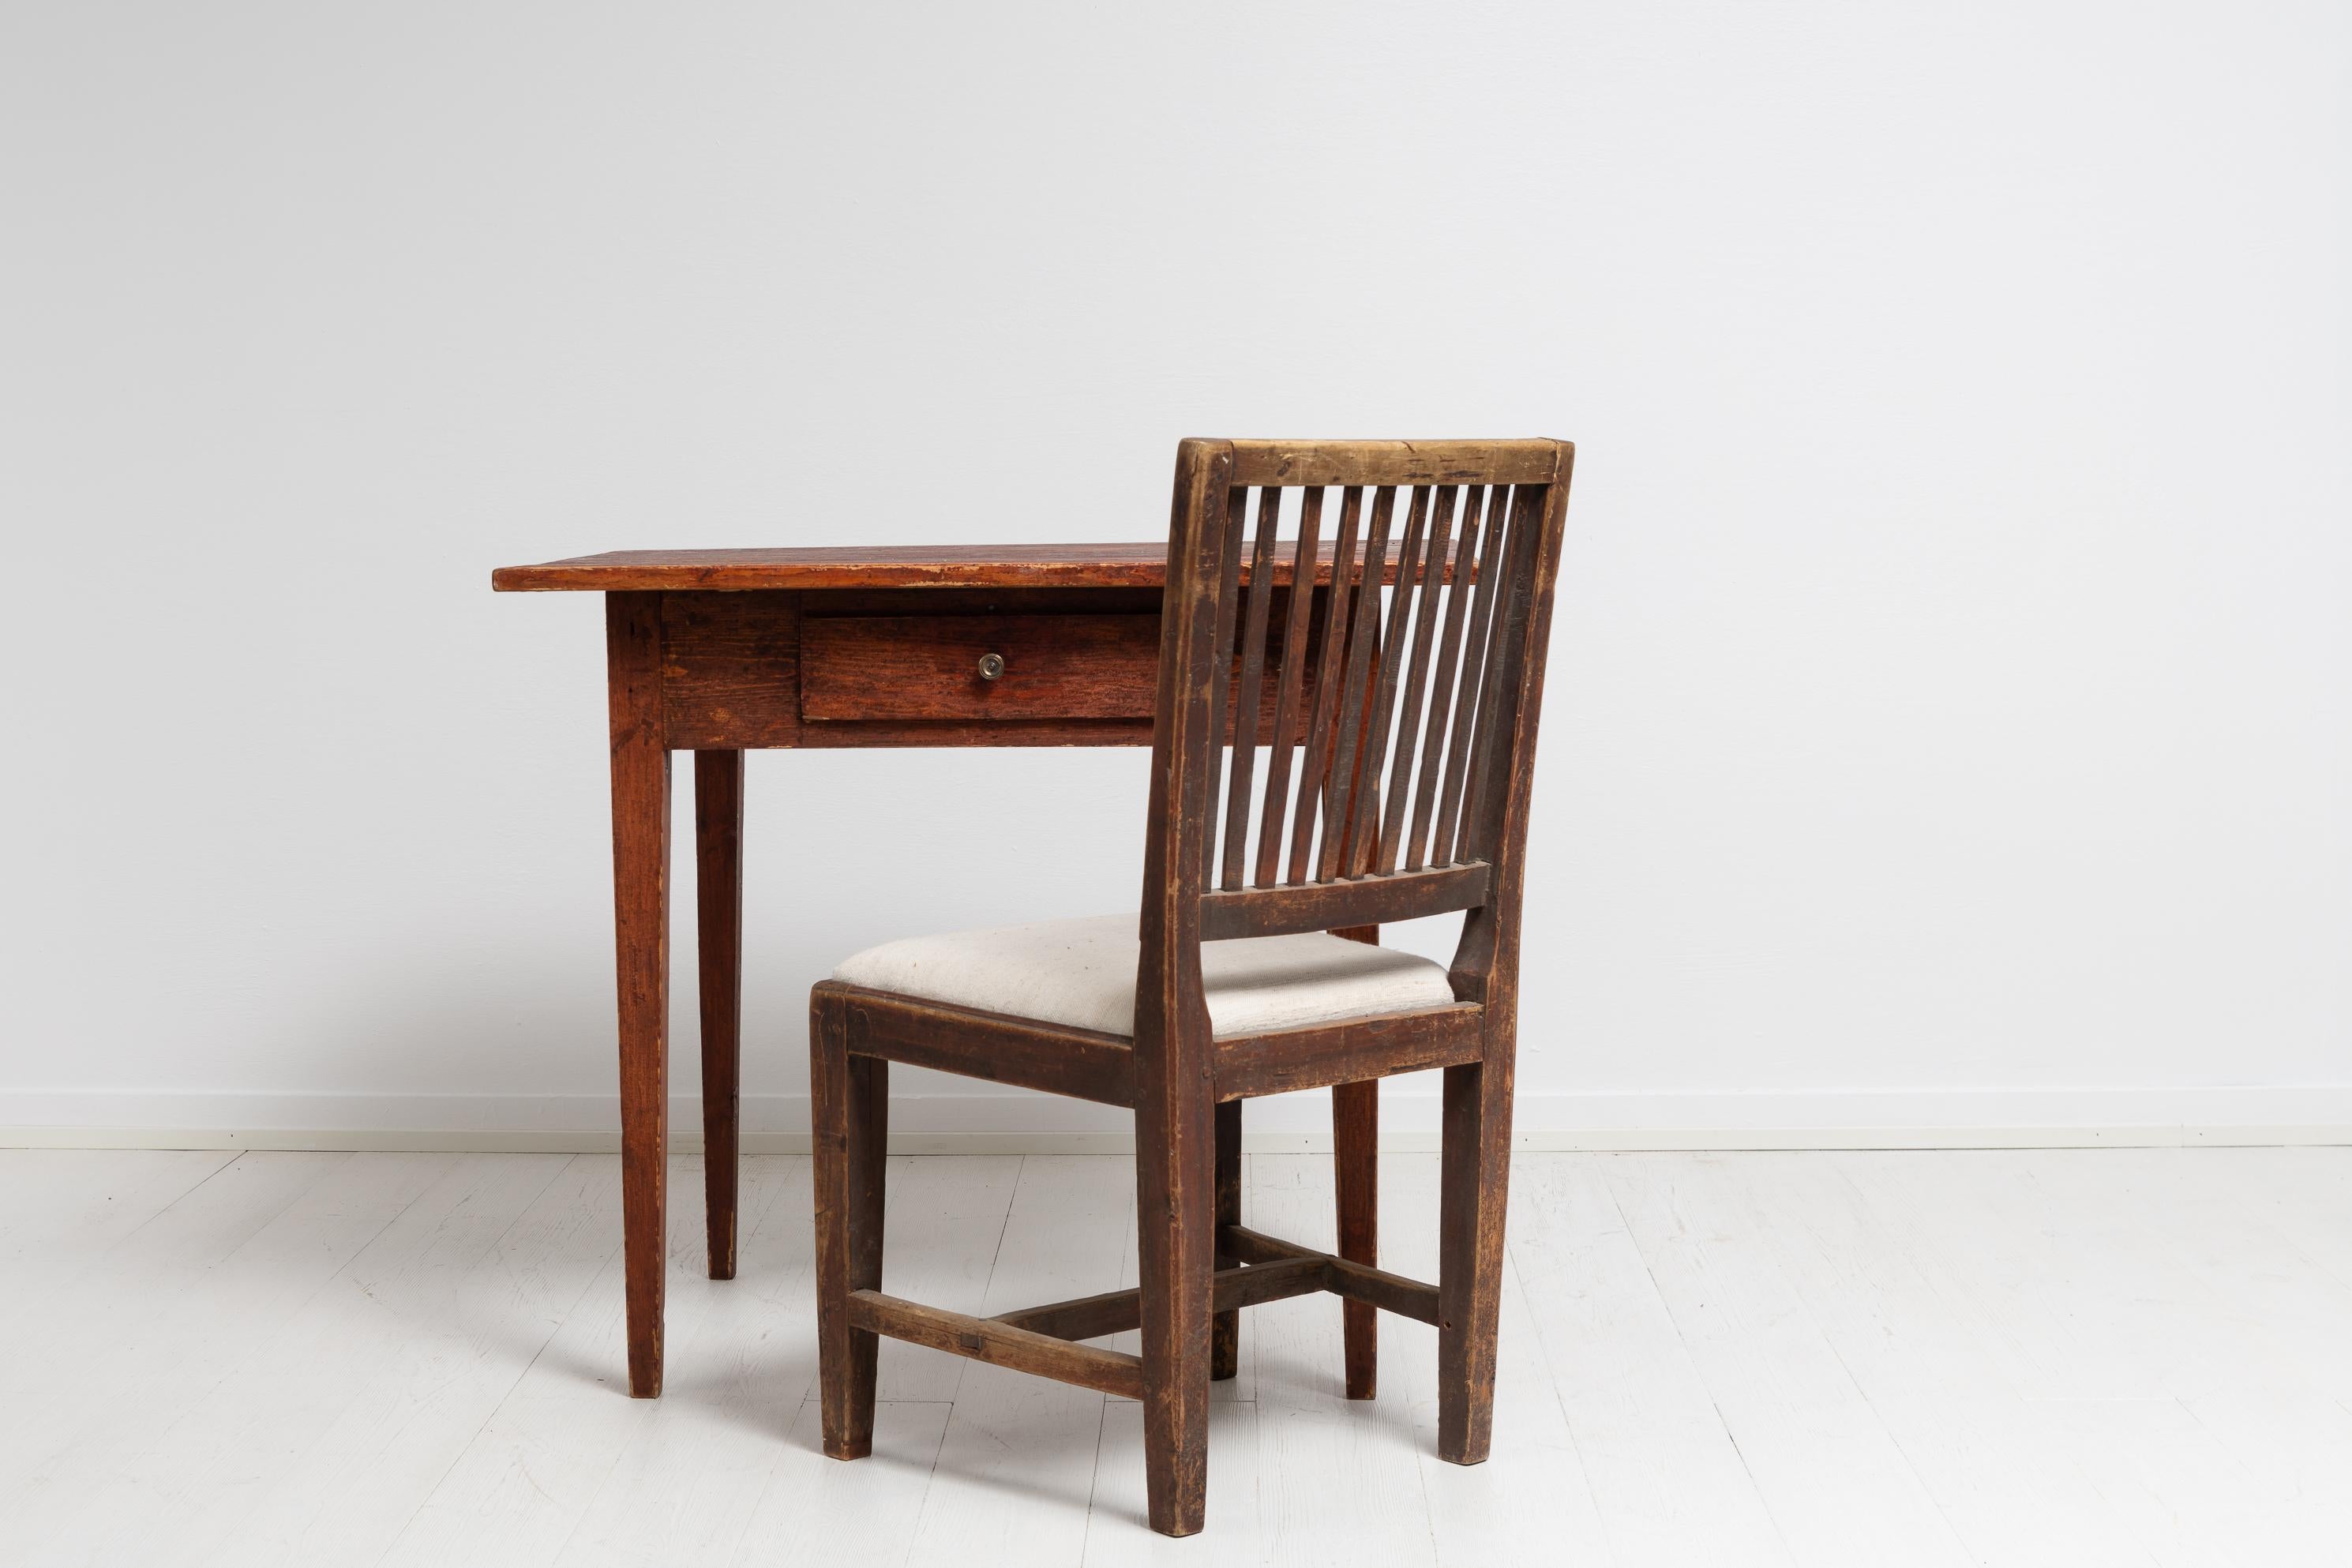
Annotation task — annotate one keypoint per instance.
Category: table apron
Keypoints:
(882, 668)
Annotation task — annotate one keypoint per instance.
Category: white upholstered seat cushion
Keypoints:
(1081, 972)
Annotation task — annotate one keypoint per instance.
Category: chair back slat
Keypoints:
(1443, 842)
(1363, 825)
(1287, 695)
(1248, 695)
(1363, 638)
(1399, 654)
(1317, 756)
(1512, 587)
(1477, 508)
(1415, 693)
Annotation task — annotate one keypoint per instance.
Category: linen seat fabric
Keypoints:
(1081, 973)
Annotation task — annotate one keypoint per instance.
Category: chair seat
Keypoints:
(1081, 973)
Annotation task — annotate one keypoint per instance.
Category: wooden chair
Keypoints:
(1236, 989)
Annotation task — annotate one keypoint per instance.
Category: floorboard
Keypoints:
(1016, 1465)
(129, 1407)
(1338, 1480)
(1667, 1475)
(2078, 1358)
(1533, 1486)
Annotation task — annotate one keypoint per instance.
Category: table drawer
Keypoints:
(913, 667)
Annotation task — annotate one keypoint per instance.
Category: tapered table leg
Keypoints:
(641, 940)
(718, 947)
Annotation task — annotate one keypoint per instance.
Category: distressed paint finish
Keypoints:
(1175, 1088)
(719, 955)
(1401, 732)
(641, 959)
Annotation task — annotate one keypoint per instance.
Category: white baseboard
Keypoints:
(1001, 1122)
(1662, 1140)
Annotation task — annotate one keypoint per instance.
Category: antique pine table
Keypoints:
(716, 651)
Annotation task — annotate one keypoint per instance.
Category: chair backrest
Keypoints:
(1386, 660)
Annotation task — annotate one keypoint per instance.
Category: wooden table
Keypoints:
(715, 651)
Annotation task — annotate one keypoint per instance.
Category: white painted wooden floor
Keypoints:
(2074, 1358)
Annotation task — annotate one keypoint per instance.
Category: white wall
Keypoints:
(1951, 717)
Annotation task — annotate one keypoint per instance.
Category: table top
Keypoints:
(1138, 566)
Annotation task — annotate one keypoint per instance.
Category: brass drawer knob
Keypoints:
(991, 666)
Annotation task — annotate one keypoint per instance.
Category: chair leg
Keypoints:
(1356, 1178)
(1176, 1249)
(849, 1117)
(1225, 1331)
(1356, 1175)
(1475, 1183)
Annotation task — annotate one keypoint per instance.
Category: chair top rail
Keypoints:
(1527, 462)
